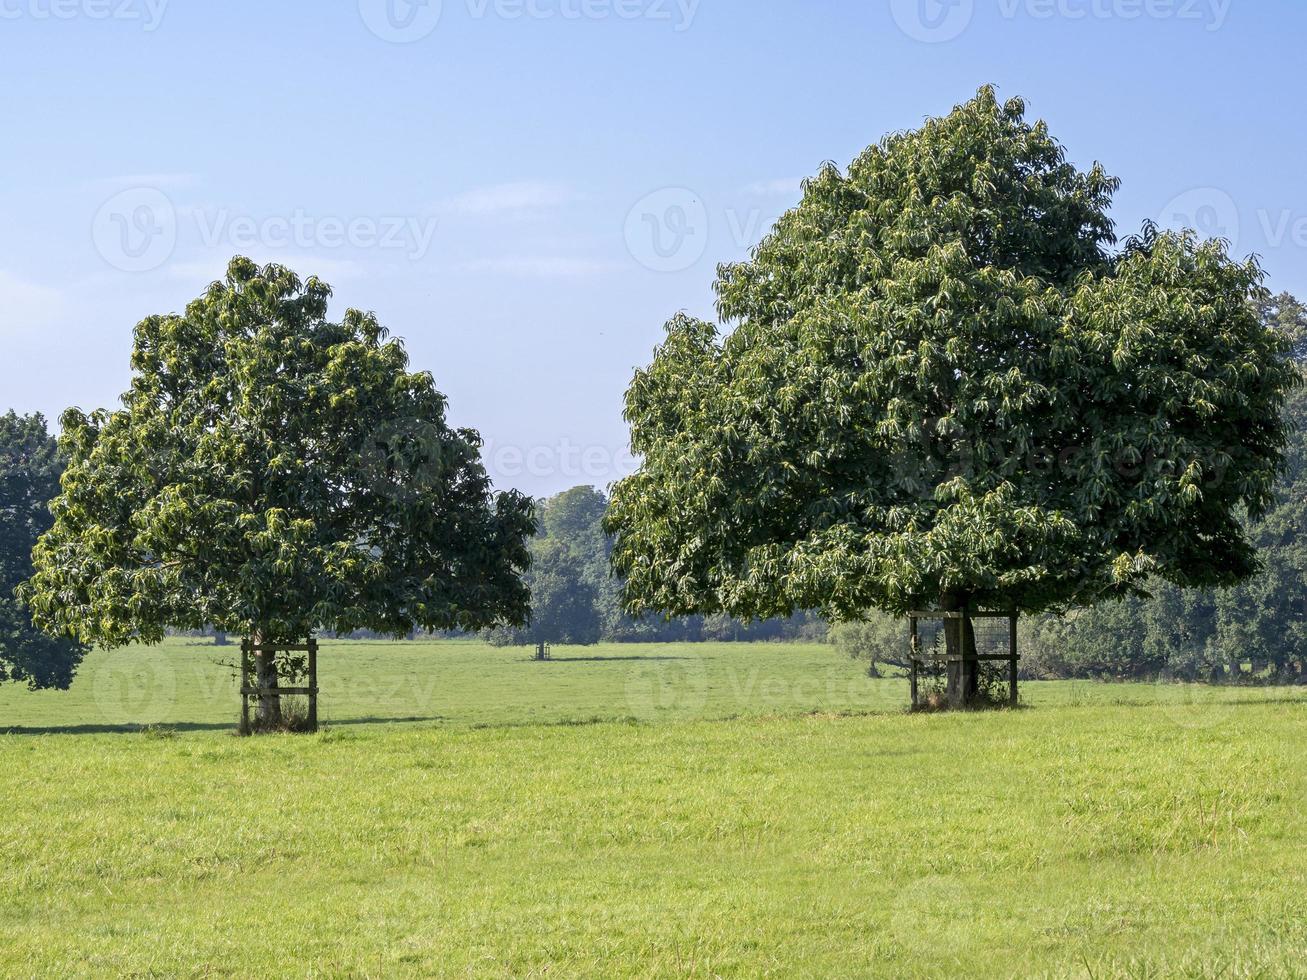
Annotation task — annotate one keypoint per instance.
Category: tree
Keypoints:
(29, 477)
(575, 598)
(876, 638)
(1284, 313)
(1207, 633)
(563, 606)
(579, 593)
(568, 557)
(945, 389)
(1265, 619)
(271, 473)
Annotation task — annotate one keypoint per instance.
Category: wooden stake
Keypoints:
(245, 684)
(313, 684)
(915, 646)
(1012, 664)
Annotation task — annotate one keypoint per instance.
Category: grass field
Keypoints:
(651, 811)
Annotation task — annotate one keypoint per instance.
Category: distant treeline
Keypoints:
(576, 600)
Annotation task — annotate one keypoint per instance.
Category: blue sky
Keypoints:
(525, 190)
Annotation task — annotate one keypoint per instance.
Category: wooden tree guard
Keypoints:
(918, 659)
(544, 651)
(251, 690)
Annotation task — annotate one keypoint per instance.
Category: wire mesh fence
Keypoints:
(987, 639)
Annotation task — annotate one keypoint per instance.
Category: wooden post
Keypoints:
(913, 647)
(245, 683)
(313, 684)
(1012, 664)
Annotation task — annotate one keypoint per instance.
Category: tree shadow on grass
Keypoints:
(608, 660)
(1217, 702)
(183, 727)
(129, 729)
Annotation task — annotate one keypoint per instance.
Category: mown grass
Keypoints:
(730, 820)
(190, 685)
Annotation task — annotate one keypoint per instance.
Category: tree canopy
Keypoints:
(946, 384)
(29, 479)
(272, 472)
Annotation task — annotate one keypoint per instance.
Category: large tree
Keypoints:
(945, 388)
(29, 479)
(272, 472)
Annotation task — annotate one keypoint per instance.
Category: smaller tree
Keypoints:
(877, 638)
(563, 606)
(568, 560)
(1287, 315)
(30, 467)
(272, 473)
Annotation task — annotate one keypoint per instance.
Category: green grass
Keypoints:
(732, 811)
(190, 685)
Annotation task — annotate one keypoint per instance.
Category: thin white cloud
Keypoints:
(518, 197)
(538, 267)
(27, 305)
(781, 186)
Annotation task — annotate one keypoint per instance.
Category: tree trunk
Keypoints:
(960, 641)
(219, 638)
(267, 715)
